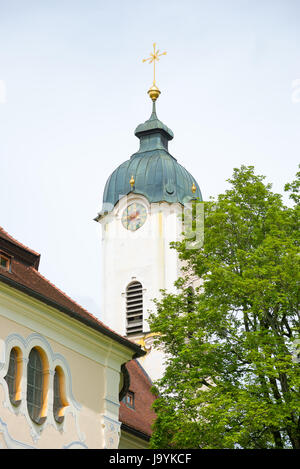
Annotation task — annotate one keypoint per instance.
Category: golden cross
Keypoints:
(153, 57)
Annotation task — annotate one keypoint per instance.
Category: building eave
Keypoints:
(133, 431)
(138, 352)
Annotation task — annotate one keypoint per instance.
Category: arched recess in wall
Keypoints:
(13, 376)
(124, 382)
(60, 401)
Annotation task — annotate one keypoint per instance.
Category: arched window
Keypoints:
(59, 397)
(36, 386)
(190, 299)
(13, 376)
(134, 308)
(36, 377)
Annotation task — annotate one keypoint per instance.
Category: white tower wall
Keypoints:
(143, 255)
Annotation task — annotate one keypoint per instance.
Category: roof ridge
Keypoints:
(17, 242)
(77, 304)
(66, 296)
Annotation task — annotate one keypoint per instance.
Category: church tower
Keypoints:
(142, 211)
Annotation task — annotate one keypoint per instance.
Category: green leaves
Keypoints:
(232, 380)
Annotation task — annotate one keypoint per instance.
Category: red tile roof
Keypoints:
(142, 416)
(24, 276)
(7, 236)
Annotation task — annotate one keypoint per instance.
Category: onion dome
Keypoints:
(152, 171)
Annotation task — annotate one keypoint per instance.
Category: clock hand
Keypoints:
(134, 215)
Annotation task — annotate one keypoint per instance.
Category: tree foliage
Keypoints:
(233, 378)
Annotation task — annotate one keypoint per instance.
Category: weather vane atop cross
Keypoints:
(154, 56)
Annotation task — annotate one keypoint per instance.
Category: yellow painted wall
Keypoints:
(92, 363)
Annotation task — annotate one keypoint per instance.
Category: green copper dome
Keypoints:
(156, 173)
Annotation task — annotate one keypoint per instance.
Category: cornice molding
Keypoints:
(62, 328)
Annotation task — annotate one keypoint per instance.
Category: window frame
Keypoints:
(51, 360)
(43, 392)
(129, 400)
(7, 258)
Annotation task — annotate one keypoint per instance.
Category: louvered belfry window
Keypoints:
(134, 308)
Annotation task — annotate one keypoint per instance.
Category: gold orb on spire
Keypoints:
(154, 92)
(194, 188)
(132, 181)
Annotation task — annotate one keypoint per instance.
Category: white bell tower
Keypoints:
(143, 203)
(137, 264)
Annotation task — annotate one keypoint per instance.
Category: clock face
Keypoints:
(134, 216)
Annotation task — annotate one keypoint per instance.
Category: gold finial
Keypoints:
(154, 91)
(194, 188)
(132, 181)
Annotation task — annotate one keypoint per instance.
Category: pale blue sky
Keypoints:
(73, 89)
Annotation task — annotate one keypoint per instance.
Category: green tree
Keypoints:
(233, 378)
